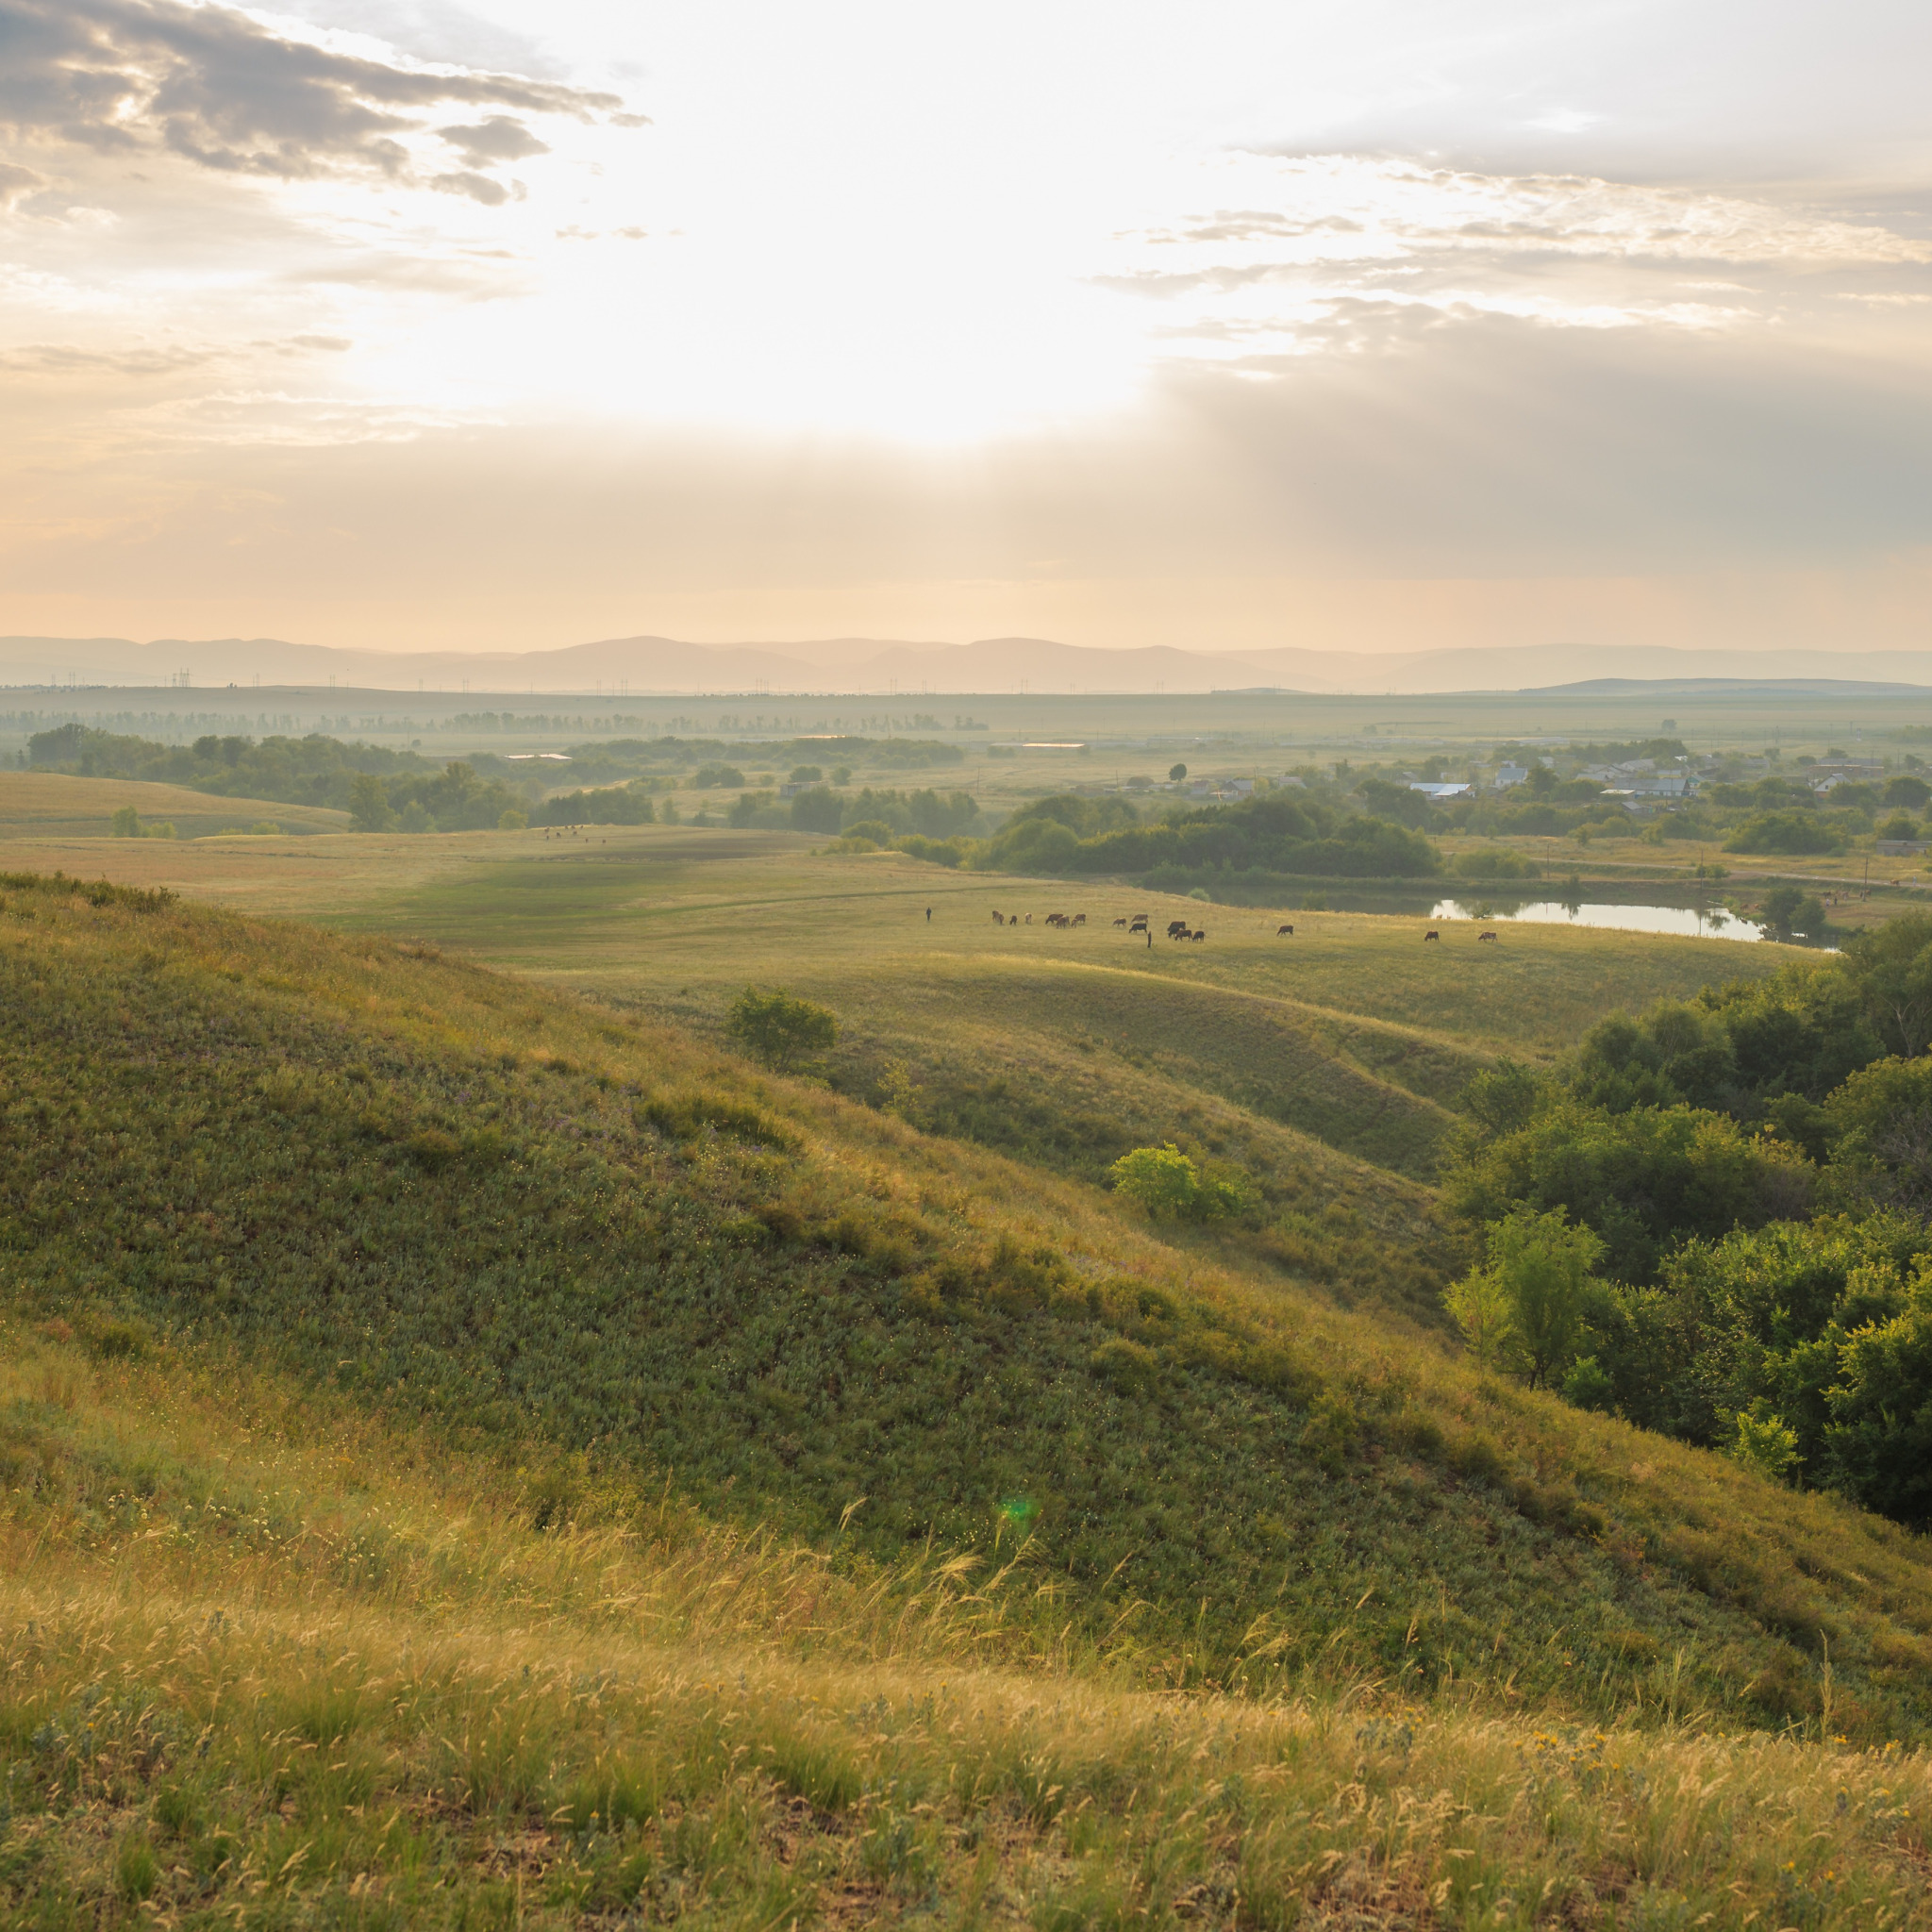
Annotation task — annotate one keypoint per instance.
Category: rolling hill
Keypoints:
(475, 1405)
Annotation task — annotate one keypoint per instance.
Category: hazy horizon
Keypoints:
(418, 325)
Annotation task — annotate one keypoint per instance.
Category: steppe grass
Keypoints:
(264, 1662)
(601, 1251)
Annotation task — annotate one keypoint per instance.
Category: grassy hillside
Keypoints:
(596, 1250)
(52, 805)
(266, 1661)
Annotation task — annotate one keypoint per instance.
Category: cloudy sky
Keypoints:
(1374, 323)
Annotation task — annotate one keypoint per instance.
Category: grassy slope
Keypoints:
(52, 805)
(451, 1196)
(263, 1661)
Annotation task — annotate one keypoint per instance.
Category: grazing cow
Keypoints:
(1029, 918)
(1079, 918)
(1056, 919)
(1481, 936)
(999, 919)
(1122, 920)
(1175, 928)
(1198, 937)
(1288, 929)
(1139, 924)
(1432, 936)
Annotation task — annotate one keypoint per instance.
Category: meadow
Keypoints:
(474, 1449)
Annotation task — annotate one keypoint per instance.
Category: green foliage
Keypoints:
(780, 1030)
(1761, 1441)
(1522, 1310)
(316, 770)
(820, 809)
(1176, 772)
(126, 821)
(614, 804)
(1171, 1187)
(369, 807)
(1790, 833)
(1640, 1180)
(717, 776)
(1494, 862)
(1281, 832)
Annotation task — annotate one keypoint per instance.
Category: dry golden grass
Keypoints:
(263, 1663)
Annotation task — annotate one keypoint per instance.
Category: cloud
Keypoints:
(16, 184)
(228, 93)
(501, 138)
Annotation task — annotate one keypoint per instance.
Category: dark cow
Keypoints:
(1056, 919)
(1175, 928)
(1079, 918)
(1122, 920)
(1432, 936)
(1481, 936)
(1288, 929)
(1139, 924)
(1198, 937)
(999, 919)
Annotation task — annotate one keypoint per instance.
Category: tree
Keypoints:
(1176, 772)
(1524, 1309)
(780, 1030)
(1891, 968)
(126, 821)
(1168, 1184)
(369, 807)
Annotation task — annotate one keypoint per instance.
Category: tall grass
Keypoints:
(212, 1712)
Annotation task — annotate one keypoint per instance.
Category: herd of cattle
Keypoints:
(1177, 929)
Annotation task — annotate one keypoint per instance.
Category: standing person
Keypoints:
(928, 915)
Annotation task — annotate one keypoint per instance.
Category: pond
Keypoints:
(1689, 922)
(1694, 915)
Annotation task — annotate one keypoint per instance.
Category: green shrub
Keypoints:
(780, 1030)
(1170, 1187)
(1791, 833)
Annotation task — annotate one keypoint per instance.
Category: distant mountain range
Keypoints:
(642, 666)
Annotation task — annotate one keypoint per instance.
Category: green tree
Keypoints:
(126, 821)
(1779, 908)
(780, 1030)
(1523, 1309)
(1891, 969)
(1171, 1188)
(1176, 772)
(369, 808)
(1762, 1440)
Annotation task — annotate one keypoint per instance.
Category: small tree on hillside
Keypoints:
(1171, 1188)
(1523, 1309)
(781, 1031)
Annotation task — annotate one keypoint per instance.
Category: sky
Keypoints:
(1371, 324)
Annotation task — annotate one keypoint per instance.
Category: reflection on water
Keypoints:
(1690, 922)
